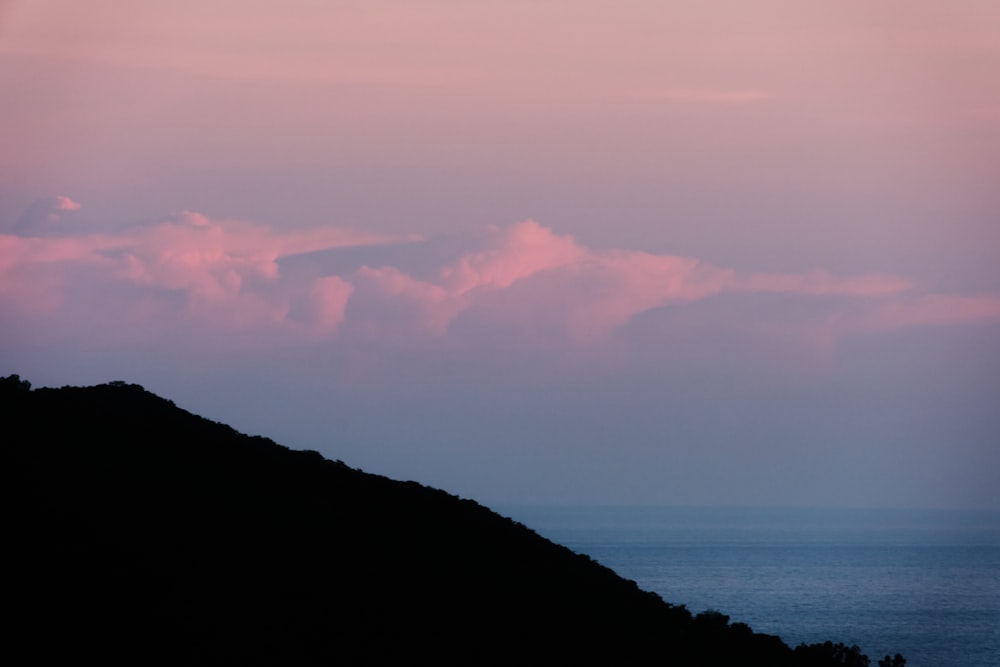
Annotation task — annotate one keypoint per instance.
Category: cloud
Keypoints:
(198, 256)
(517, 252)
(525, 286)
(208, 271)
(531, 283)
(392, 304)
(584, 301)
(62, 203)
(329, 296)
(43, 216)
(922, 310)
(215, 257)
(819, 283)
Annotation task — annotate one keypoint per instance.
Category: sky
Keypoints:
(580, 252)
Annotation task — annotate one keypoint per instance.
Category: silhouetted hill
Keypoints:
(139, 533)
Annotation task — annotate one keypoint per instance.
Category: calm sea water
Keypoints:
(922, 583)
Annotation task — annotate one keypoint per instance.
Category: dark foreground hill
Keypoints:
(139, 533)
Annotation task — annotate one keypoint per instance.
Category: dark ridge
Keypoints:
(139, 533)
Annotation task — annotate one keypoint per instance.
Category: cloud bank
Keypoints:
(245, 285)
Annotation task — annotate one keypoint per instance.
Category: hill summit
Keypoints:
(140, 533)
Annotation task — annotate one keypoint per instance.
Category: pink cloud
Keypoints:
(821, 283)
(17, 251)
(524, 285)
(214, 257)
(329, 296)
(208, 259)
(549, 285)
(223, 272)
(43, 216)
(520, 251)
(36, 271)
(530, 279)
(393, 304)
(585, 301)
(211, 259)
(926, 310)
(62, 203)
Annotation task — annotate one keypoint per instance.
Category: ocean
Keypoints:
(924, 583)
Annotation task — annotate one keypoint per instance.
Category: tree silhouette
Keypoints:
(13, 383)
(147, 535)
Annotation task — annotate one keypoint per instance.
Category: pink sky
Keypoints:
(679, 252)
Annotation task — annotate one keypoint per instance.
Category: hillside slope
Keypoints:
(143, 534)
